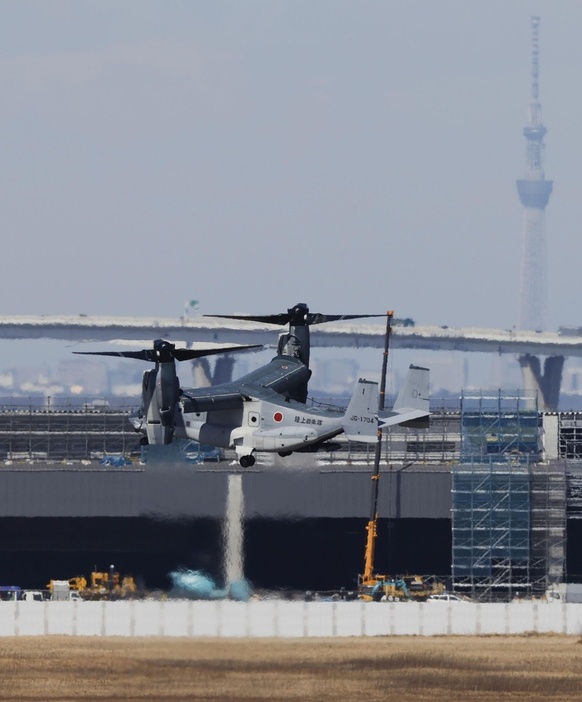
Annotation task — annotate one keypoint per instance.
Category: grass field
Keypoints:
(372, 669)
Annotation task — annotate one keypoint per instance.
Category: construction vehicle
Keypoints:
(59, 590)
(370, 583)
(77, 584)
(63, 590)
(373, 587)
(403, 588)
(107, 585)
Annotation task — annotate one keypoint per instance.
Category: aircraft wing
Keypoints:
(282, 374)
(220, 397)
(279, 376)
(412, 403)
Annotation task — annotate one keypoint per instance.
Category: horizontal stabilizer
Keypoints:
(412, 403)
(360, 422)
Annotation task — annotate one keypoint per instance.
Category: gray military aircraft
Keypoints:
(266, 409)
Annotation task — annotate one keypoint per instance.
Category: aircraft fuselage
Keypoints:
(262, 424)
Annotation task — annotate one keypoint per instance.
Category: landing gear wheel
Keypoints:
(284, 454)
(144, 441)
(247, 461)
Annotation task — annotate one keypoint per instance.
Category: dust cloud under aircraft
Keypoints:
(266, 409)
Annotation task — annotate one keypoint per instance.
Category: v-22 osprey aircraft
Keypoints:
(266, 409)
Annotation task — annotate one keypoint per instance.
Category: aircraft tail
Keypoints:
(360, 422)
(412, 404)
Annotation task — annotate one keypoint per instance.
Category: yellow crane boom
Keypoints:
(372, 526)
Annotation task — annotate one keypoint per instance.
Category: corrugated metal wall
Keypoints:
(173, 490)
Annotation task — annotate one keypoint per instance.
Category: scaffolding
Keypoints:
(60, 432)
(570, 435)
(506, 426)
(509, 528)
(548, 498)
(574, 489)
(439, 443)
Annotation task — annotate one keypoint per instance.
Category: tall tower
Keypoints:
(534, 192)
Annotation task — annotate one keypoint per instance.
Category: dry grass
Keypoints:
(399, 668)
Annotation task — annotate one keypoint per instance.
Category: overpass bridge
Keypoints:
(527, 346)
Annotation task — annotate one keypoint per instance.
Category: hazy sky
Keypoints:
(357, 156)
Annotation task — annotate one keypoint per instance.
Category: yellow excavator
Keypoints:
(109, 586)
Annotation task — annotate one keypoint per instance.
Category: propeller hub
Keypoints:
(164, 351)
(298, 314)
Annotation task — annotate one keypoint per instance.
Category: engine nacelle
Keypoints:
(160, 391)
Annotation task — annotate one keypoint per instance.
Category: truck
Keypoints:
(32, 596)
(564, 592)
(402, 588)
(61, 591)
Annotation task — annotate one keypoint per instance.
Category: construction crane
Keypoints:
(373, 586)
(367, 580)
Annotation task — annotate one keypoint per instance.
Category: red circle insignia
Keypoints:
(278, 417)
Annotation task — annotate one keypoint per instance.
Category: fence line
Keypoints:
(276, 618)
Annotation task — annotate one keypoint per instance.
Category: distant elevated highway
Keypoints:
(528, 346)
(339, 334)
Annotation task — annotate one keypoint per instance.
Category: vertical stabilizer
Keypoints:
(412, 402)
(361, 419)
(414, 393)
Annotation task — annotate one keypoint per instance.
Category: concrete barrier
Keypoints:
(277, 618)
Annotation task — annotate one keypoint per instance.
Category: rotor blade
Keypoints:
(321, 318)
(187, 354)
(143, 355)
(178, 354)
(265, 319)
(286, 317)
